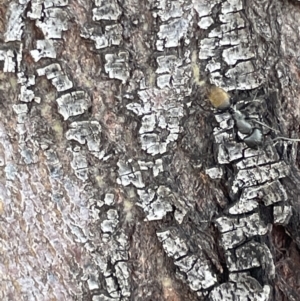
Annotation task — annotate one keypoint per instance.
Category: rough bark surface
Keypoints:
(120, 180)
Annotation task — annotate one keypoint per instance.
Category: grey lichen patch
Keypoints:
(106, 10)
(36, 9)
(258, 157)
(111, 256)
(170, 34)
(231, 6)
(198, 272)
(92, 283)
(50, 3)
(195, 268)
(9, 60)
(168, 9)
(15, 23)
(62, 83)
(173, 244)
(28, 152)
(110, 223)
(10, 172)
(50, 71)
(95, 209)
(86, 132)
(225, 120)
(44, 48)
(233, 38)
(243, 288)
(112, 36)
(109, 199)
(156, 204)
(79, 164)
(123, 276)
(246, 74)
(112, 287)
(214, 172)
(232, 20)
(27, 147)
(234, 231)
(117, 66)
(156, 166)
(73, 104)
(269, 193)
(150, 143)
(26, 95)
(208, 48)
(259, 175)
(282, 214)
(205, 22)
(160, 111)
(55, 21)
(168, 63)
(78, 233)
(236, 53)
(204, 8)
(231, 23)
(128, 175)
(102, 297)
(251, 255)
(243, 205)
(172, 72)
(54, 168)
(230, 151)
(20, 108)
(59, 80)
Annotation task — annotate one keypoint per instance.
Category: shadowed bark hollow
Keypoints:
(148, 150)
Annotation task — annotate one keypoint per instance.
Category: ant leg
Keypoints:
(276, 131)
(263, 124)
(286, 139)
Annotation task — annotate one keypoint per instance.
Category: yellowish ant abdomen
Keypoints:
(219, 98)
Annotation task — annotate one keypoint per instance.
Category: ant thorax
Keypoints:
(245, 120)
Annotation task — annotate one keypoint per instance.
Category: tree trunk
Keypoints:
(144, 150)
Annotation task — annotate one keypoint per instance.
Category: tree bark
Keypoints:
(120, 180)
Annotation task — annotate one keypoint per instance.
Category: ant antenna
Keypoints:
(276, 131)
(263, 124)
(287, 139)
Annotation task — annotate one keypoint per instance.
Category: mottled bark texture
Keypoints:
(119, 180)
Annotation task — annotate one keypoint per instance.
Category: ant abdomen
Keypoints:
(255, 140)
(219, 98)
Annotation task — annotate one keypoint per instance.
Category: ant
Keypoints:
(253, 136)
